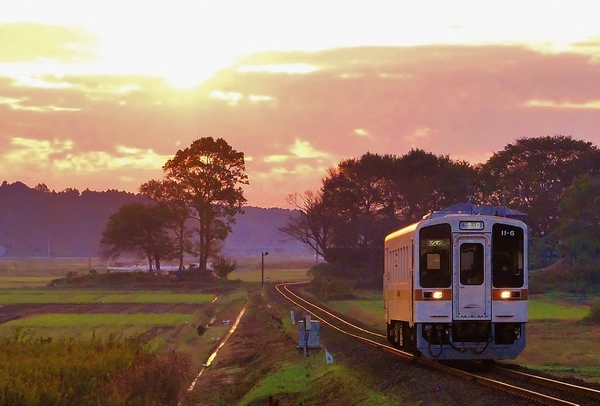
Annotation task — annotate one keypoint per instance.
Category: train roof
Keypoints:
(440, 217)
(469, 208)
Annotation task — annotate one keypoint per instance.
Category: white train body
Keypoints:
(455, 287)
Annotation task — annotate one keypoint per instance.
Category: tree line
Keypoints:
(554, 180)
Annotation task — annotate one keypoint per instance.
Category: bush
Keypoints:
(331, 282)
(223, 266)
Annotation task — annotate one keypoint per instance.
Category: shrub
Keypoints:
(330, 282)
(594, 315)
(223, 266)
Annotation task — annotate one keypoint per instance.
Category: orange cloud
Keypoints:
(27, 42)
(593, 104)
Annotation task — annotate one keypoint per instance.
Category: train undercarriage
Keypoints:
(459, 340)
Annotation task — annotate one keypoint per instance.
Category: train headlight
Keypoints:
(438, 294)
(510, 294)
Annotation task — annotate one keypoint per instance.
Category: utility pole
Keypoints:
(262, 268)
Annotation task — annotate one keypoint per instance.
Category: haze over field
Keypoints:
(99, 94)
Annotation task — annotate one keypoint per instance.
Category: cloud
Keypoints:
(60, 156)
(460, 101)
(17, 104)
(592, 104)
(36, 152)
(27, 42)
(289, 68)
(232, 98)
(421, 133)
(361, 132)
(299, 150)
(303, 149)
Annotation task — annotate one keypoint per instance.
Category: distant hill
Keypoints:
(37, 223)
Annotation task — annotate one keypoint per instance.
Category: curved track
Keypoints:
(538, 389)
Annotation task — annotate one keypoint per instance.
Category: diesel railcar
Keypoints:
(455, 287)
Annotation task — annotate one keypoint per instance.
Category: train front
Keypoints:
(470, 296)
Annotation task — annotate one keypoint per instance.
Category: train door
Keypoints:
(472, 283)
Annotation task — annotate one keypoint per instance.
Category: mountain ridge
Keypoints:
(36, 222)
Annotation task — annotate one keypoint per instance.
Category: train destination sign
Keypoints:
(471, 225)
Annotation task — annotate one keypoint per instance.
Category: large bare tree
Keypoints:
(310, 223)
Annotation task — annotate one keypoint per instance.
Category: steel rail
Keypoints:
(495, 384)
(551, 383)
(327, 312)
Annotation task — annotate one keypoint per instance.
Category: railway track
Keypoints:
(532, 387)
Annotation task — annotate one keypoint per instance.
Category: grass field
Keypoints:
(270, 275)
(18, 282)
(42, 296)
(557, 341)
(55, 267)
(93, 320)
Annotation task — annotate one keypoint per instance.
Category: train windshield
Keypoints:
(435, 268)
(508, 258)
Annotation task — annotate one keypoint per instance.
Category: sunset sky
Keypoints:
(100, 94)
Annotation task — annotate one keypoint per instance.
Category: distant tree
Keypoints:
(209, 174)
(579, 228)
(171, 195)
(310, 222)
(532, 174)
(41, 187)
(371, 196)
(424, 182)
(70, 192)
(357, 195)
(139, 229)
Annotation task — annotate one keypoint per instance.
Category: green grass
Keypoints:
(16, 296)
(305, 379)
(270, 275)
(369, 312)
(16, 282)
(563, 346)
(544, 309)
(48, 266)
(134, 319)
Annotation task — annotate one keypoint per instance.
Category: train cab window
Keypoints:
(507, 256)
(471, 264)
(434, 256)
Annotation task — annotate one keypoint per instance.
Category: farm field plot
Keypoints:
(166, 316)
(47, 296)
